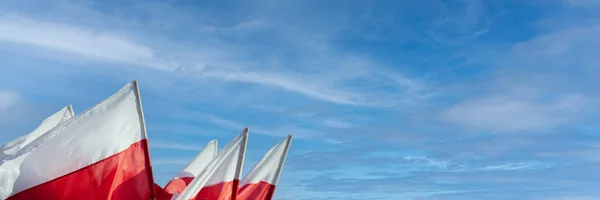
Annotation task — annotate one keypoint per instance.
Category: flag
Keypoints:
(220, 179)
(12, 147)
(161, 194)
(193, 168)
(102, 153)
(260, 183)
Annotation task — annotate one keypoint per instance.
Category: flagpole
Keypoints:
(70, 108)
(282, 161)
(280, 167)
(145, 135)
(238, 171)
(216, 148)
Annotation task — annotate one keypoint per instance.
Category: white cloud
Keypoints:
(176, 146)
(275, 131)
(290, 83)
(569, 41)
(585, 152)
(572, 49)
(512, 114)
(334, 81)
(454, 166)
(428, 161)
(268, 129)
(468, 23)
(337, 123)
(79, 40)
(545, 77)
(515, 166)
(8, 99)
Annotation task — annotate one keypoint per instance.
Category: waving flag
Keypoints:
(220, 179)
(178, 184)
(101, 153)
(12, 147)
(260, 183)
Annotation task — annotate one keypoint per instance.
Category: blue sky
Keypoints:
(417, 100)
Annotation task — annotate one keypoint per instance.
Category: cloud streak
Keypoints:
(73, 39)
(106, 45)
(502, 114)
(176, 146)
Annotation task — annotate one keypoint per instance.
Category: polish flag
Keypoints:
(220, 179)
(102, 153)
(12, 147)
(260, 183)
(193, 168)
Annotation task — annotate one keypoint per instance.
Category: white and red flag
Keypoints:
(102, 153)
(220, 179)
(12, 147)
(183, 178)
(260, 183)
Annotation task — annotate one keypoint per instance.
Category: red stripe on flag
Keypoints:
(221, 191)
(177, 185)
(256, 191)
(123, 176)
(161, 194)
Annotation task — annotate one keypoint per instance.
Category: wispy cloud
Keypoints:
(104, 45)
(506, 114)
(176, 146)
(95, 44)
(289, 83)
(337, 124)
(470, 166)
(531, 92)
(517, 166)
(241, 27)
(7, 99)
(563, 42)
(385, 162)
(191, 121)
(454, 27)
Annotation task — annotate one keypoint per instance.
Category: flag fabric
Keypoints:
(161, 194)
(260, 183)
(12, 147)
(220, 179)
(102, 153)
(183, 178)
